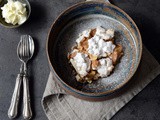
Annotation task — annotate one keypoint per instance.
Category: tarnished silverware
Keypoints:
(25, 53)
(12, 112)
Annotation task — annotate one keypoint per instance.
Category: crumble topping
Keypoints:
(95, 54)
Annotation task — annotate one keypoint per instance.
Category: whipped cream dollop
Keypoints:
(104, 34)
(14, 12)
(97, 46)
(105, 67)
(81, 63)
(85, 33)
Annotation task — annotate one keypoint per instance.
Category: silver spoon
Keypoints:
(12, 111)
(26, 51)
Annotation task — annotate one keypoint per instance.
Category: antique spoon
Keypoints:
(25, 54)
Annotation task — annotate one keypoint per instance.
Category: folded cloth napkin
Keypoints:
(58, 105)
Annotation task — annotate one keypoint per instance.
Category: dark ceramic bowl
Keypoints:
(64, 32)
(2, 20)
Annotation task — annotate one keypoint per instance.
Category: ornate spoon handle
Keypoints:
(27, 112)
(12, 112)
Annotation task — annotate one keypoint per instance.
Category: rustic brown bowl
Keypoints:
(62, 37)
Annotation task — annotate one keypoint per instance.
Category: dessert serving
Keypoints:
(95, 54)
(110, 68)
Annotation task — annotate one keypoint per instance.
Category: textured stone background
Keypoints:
(146, 14)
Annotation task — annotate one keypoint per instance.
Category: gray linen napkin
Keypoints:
(58, 105)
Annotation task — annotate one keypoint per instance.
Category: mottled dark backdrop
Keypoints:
(146, 14)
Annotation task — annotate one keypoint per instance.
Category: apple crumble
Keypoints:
(95, 54)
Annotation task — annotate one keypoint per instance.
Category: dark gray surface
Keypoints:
(146, 14)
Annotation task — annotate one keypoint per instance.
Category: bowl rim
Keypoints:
(28, 15)
(75, 91)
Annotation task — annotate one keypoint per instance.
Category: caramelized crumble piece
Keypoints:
(93, 32)
(112, 40)
(84, 43)
(90, 76)
(117, 53)
(95, 63)
(93, 57)
(72, 55)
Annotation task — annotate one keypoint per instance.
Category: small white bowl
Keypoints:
(2, 20)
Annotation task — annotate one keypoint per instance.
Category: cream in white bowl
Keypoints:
(14, 12)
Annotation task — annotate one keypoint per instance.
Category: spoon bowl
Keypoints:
(26, 48)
